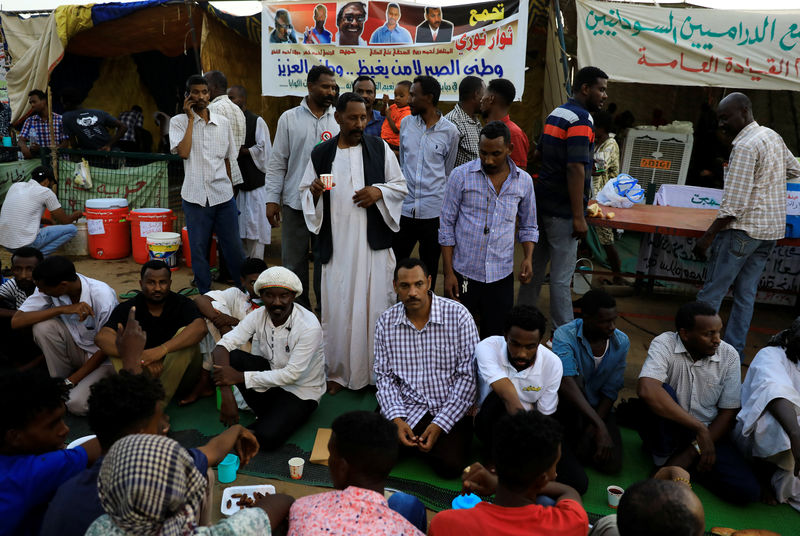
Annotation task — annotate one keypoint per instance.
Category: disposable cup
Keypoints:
(614, 495)
(296, 468)
(327, 180)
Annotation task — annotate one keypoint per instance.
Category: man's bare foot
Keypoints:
(202, 389)
(334, 387)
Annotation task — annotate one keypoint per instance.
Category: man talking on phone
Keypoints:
(207, 192)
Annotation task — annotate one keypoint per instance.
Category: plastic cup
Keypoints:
(226, 470)
(614, 495)
(296, 468)
(465, 502)
(327, 180)
(6, 141)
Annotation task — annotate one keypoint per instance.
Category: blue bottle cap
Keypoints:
(464, 502)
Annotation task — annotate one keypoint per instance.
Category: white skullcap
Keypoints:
(281, 277)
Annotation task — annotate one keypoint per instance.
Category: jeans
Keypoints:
(410, 508)
(295, 237)
(558, 246)
(735, 259)
(202, 222)
(52, 237)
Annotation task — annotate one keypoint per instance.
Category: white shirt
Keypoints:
(98, 295)
(22, 213)
(205, 178)
(294, 351)
(537, 386)
(225, 107)
(231, 301)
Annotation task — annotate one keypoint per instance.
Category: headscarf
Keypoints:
(149, 485)
(280, 277)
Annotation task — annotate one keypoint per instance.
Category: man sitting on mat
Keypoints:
(283, 379)
(593, 352)
(362, 450)
(690, 385)
(526, 451)
(425, 370)
(223, 310)
(172, 323)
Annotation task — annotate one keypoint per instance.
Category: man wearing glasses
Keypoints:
(283, 32)
(350, 21)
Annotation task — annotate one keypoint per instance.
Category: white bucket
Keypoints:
(164, 247)
(582, 279)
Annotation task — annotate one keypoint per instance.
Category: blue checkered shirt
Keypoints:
(431, 370)
(37, 130)
(479, 222)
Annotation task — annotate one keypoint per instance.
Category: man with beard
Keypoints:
(433, 29)
(20, 351)
(350, 20)
(355, 222)
(691, 388)
(484, 201)
(562, 191)
(364, 87)
(751, 216)
(283, 378)
(425, 370)
(428, 149)
(494, 106)
(299, 130)
(207, 191)
(391, 33)
(174, 329)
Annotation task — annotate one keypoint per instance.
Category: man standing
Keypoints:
(391, 33)
(484, 201)
(22, 210)
(470, 93)
(66, 312)
(222, 105)
(364, 86)
(299, 130)
(35, 132)
(593, 353)
(207, 192)
(350, 20)
(172, 323)
(355, 222)
(425, 370)
(565, 182)
(87, 128)
(132, 119)
(318, 35)
(751, 217)
(428, 149)
(433, 29)
(691, 387)
(494, 106)
(252, 197)
(19, 349)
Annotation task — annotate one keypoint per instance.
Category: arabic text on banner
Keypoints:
(486, 39)
(691, 47)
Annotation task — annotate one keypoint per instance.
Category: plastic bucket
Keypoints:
(145, 221)
(187, 252)
(164, 247)
(226, 470)
(108, 228)
(582, 278)
(79, 245)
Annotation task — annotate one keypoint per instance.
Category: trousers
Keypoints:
(424, 231)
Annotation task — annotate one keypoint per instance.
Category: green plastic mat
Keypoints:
(194, 425)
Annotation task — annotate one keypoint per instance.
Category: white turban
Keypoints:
(281, 277)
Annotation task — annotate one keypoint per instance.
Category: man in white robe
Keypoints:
(355, 220)
(768, 426)
(255, 230)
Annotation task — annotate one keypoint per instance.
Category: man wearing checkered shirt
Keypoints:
(751, 217)
(425, 370)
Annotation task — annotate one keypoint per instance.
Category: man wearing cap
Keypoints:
(283, 378)
(22, 212)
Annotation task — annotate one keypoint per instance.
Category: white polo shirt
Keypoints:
(537, 386)
(22, 213)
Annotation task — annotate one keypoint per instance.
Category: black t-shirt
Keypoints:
(179, 311)
(89, 127)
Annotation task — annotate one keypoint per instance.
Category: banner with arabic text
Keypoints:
(691, 47)
(392, 42)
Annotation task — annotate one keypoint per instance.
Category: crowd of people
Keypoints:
(445, 369)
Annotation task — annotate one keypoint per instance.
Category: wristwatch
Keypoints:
(68, 383)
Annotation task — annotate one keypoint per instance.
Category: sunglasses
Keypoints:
(283, 26)
(352, 18)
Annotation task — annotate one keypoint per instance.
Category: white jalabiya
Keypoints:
(770, 376)
(357, 281)
(254, 228)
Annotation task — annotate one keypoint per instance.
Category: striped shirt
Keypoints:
(431, 370)
(755, 186)
(472, 207)
(10, 293)
(37, 130)
(225, 107)
(469, 129)
(568, 138)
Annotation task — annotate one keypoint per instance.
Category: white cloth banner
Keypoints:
(691, 47)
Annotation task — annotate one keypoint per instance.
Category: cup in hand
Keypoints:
(327, 180)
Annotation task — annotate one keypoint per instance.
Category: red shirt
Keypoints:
(520, 153)
(566, 518)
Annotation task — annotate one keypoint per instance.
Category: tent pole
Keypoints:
(567, 83)
(51, 128)
(194, 37)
